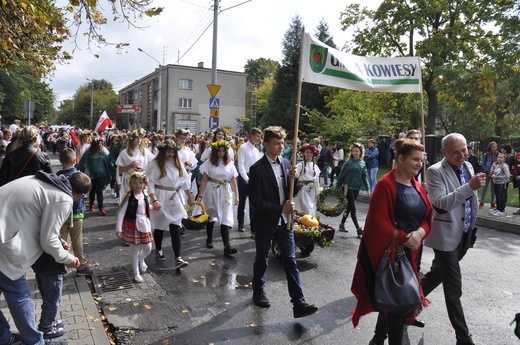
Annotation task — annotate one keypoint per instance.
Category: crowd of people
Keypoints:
(151, 176)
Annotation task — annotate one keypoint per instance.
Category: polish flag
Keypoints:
(103, 122)
(74, 137)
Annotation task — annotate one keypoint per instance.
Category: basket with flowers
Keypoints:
(196, 222)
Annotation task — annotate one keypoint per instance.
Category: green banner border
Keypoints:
(354, 77)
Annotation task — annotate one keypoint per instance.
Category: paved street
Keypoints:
(210, 301)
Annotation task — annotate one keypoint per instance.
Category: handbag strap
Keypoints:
(27, 162)
(394, 238)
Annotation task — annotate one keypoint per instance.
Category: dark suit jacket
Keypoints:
(264, 196)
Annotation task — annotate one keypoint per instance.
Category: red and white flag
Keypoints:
(103, 122)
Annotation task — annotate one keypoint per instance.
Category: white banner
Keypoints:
(325, 65)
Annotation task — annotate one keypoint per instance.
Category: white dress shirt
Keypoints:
(248, 154)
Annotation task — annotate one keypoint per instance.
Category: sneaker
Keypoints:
(58, 323)
(138, 278)
(159, 255)
(84, 272)
(16, 339)
(54, 332)
(498, 214)
(241, 228)
(180, 263)
(342, 228)
(91, 208)
(493, 211)
(102, 212)
(517, 212)
(143, 266)
(481, 205)
(493, 205)
(359, 232)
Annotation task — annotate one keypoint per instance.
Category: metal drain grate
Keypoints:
(113, 281)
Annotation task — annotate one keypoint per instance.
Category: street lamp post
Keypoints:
(159, 90)
(91, 101)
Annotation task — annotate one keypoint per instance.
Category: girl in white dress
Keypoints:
(218, 135)
(219, 192)
(309, 172)
(133, 223)
(134, 158)
(167, 181)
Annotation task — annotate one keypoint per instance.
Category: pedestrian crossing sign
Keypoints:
(214, 103)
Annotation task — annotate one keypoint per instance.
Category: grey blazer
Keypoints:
(448, 199)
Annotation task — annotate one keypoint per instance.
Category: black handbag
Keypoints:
(396, 290)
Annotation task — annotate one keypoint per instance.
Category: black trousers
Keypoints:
(446, 270)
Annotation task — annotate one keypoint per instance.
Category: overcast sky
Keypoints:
(250, 30)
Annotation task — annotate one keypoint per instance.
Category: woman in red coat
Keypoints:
(398, 202)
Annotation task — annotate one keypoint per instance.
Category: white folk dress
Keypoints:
(172, 205)
(124, 160)
(306, 200)
(218, 197)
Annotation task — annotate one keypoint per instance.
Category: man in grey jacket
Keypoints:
(452, 186)
(32, 212)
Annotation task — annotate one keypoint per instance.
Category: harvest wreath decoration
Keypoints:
(333, 210)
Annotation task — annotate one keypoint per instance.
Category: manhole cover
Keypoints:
(113, 281)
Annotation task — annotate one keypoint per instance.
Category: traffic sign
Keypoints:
(213, 89)
(214, 103)
(213, 122)
(214, 113)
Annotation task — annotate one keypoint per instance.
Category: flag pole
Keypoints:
(423, 136)
(296, 121)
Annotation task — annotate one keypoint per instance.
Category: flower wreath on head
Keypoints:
(183, 131)
(169, 145)
(138, 133)
(220, 143)
(313, 148)
(220, 129)
(139, 175)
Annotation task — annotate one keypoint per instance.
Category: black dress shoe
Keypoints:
(418, 323)
(304, 309)
(261, 300)
(228, 250)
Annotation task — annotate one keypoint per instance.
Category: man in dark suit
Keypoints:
(269, 184)
(452, 187)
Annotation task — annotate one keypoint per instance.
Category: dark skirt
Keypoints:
(131, 235)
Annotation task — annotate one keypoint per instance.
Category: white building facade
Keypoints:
(185, 99)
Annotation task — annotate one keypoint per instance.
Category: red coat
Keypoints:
(377, 235)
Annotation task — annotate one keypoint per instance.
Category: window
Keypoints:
(184, 102)
(186, 84)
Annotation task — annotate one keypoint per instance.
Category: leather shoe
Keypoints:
(261, 300)
(418, 323)
(304, 309)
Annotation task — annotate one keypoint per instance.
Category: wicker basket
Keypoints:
(327, 234)
(197, 222)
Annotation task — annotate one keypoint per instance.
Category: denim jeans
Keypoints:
(372, 177)
(50, 286)
(21, 306)
(325, 173)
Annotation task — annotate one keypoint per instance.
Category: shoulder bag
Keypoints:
(396, 289)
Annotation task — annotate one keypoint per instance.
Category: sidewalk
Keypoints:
(77, 310)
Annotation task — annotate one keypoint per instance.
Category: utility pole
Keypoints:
(214, 51)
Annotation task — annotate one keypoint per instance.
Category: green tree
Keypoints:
(281, 107)
(446, 34)
(32, 31)
(19, 85)
(77, 110)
